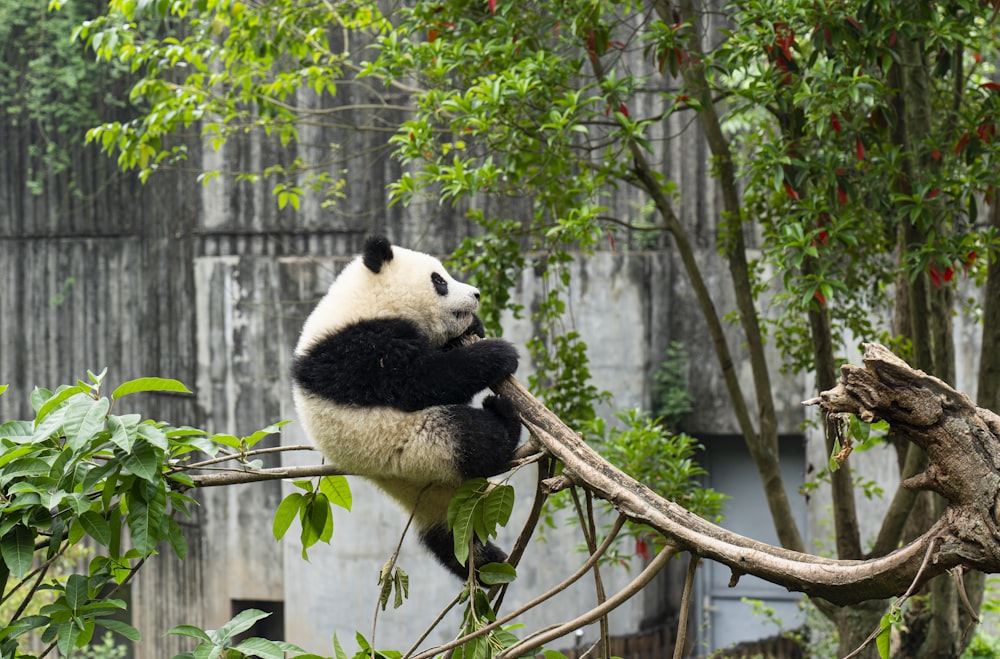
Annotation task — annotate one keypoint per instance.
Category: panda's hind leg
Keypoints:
(485, 439)
(440, 541)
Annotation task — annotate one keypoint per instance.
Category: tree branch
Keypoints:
(961, 440)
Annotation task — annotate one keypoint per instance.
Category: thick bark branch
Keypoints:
(961, 440)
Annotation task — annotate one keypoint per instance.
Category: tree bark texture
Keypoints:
(962, 442)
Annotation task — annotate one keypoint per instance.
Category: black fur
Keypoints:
(440, 541)
(389, 362)
(488, 437)
(378, 250)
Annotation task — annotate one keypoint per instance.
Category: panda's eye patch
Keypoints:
(440, 285)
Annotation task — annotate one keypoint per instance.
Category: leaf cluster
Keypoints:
(84, 470)
(314, 510)
(843, 142)
(49, 87)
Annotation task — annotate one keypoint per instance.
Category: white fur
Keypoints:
(401, 289)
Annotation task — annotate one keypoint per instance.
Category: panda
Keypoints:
(383, 387)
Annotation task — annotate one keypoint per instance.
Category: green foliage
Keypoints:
(673, 399)
(224, 641)
(314, 510)
(106, 649)
(83, 467)
(49, 87)
(830, 172)
(658, 458)
(477, 509)
(478, 614)
(237, 68)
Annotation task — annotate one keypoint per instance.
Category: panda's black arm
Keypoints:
(388, 362)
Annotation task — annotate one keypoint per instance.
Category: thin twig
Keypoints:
(589, 528)
(569, 581)
(545, 469)
(901, 600)
(244, 454)
(237, 477)
(538, 639)
(451, 605)
(392, 563)
(686, 597)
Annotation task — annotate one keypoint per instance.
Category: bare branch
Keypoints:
(888, 389)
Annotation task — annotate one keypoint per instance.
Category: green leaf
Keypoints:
(464, 513)
(149, 384)
(152, 434)
(83, 421)
(18, 432)
(264, 432)
(261, 647)
(50, 426)
(176, 538)
(124, 430)
(3, 388)
(15, 453)
(494, 573)
(338, 650)
(77, 592)
(285, 514)
(241, 622)
(191, 631)
(145, 517)
(69, 633)
(23, 625)
(884, 634)
(144, 461)
(337, 490)
(402, 587)
(57, 398)
(498, 507)
(17, 547)
(121, 628)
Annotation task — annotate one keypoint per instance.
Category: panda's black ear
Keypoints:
(378, 250)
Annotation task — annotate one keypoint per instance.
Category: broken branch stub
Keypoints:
(962, 442)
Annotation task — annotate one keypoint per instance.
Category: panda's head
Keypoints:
(415, 286)
(388, 281)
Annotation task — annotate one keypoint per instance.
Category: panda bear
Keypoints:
(383, 387)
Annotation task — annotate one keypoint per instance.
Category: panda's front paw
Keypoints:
(501, 356)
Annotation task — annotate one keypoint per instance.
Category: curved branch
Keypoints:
(958, 536)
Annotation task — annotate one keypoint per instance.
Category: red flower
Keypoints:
(935, 275)
(641, 549)
(835, 122)
(841, 195)
(791, 191)
(492, 6)
(962, 142)
(859, 149)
